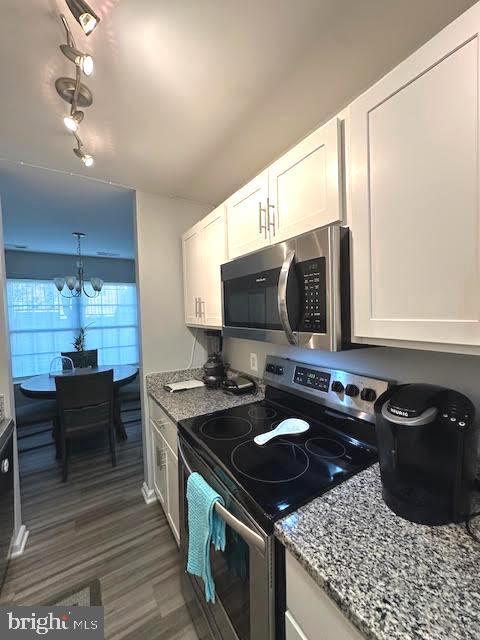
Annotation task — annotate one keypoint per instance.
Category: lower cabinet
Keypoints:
(165, 465)
(173, 512)
(160, 466)
(311, 614)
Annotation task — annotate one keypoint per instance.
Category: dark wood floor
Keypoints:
(98, 526)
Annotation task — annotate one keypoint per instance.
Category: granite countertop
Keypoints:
(194, 402)
(395, 580)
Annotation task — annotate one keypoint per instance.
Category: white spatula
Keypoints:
(288, 427)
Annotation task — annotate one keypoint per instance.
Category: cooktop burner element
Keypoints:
(325, 448)
(226, 427)
(260, 412)
(276, 462)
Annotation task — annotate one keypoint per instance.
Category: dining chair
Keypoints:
(84, 406)
(83, 359)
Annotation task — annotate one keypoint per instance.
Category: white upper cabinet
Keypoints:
(192, 280)
(414, 170)
(204, 250)
(247, 217)
(213, 253)
(304, 191)
(299, 192)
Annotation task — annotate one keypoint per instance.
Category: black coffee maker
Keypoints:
(427, 445)
(214, 368)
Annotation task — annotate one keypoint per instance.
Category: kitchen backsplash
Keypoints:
(457, 371)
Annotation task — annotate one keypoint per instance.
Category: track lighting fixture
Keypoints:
(84, 15)
(73, 120)
(73, 91)
(82, 60)
(86, 158)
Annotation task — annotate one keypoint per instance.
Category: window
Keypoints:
(43, 323)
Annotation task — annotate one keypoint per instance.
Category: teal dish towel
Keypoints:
(205, 527)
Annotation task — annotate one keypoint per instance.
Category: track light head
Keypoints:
(73, 120)
(84, 15)
(82, 60)
(86, 158)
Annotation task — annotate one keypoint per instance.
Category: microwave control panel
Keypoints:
(312, 274)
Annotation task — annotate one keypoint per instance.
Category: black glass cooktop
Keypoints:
(274, 479)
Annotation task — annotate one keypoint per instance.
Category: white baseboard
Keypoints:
(20, 542)
(148, 494)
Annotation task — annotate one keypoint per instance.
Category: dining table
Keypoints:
(43, 386)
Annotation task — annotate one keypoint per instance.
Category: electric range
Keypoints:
(263, 483)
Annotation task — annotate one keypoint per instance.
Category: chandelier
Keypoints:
(74, 286)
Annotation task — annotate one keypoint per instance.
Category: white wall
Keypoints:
(165, 342)
(459, 372)
(6, 387)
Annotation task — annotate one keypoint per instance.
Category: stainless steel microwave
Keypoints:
(296, 292)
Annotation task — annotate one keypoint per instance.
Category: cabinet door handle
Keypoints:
(196, 307)
(271, 222)
(5, 465)
(261, 226)
(202, 304)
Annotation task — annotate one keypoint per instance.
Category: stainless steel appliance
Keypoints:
(427, 445)
(262, 483)
(6, 499)
(296, 292)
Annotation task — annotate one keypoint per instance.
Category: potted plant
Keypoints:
(85, 357)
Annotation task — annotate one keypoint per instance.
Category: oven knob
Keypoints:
(352, 390)
(368, 394)
(337, 386)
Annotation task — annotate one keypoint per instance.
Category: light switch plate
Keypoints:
(253, 362)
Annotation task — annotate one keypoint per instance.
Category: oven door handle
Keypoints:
(282, 297)
(249, 535)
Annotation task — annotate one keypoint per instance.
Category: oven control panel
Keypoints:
(348, 392)
(312, 379)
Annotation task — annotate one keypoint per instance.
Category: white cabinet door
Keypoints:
(192, 275)
(173, 497)
(247, 220)
(311, 614)
(304, 185)
(414, 195)
(213, 250)
(159, 448)
(292, 629)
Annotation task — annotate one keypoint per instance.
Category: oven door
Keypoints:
(244, 607)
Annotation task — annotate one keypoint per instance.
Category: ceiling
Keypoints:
(192, 98)
(42, 208)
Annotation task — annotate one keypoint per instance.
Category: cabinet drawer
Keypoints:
(167, 429)
(316, 613)
(292, 630)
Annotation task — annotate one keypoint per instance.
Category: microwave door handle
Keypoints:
(282, 297)
(250, 536)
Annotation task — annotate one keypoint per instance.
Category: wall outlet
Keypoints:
(253, 362)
